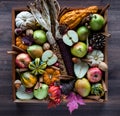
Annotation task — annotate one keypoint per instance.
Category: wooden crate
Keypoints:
(15, 11)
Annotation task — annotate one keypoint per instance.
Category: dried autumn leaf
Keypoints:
(72, 106)
(73, 101)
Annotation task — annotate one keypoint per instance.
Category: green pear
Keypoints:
(79, 49)
(83, 87)
(83, 33)
(39, 36)
(35, 51)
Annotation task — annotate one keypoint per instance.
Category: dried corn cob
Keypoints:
(66, 55)
(46, 13)
(64, 50)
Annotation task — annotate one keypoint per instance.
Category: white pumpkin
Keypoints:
(25, 20)
(95, 57)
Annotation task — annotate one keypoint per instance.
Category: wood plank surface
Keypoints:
(110, 108)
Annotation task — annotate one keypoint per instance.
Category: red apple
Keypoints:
(94, 75)
(22, 60)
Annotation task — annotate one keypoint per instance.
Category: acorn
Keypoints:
(46, 46)
(17, 84)
(29, 32)
(75, 60)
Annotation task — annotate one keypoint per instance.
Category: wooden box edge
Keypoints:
(14, 10)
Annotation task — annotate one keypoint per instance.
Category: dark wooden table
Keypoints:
(111, 108)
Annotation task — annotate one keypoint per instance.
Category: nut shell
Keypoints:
(17, 84)
(103, 66)
(46, 46)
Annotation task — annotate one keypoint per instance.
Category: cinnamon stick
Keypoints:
(104, 9)
(17, 49)
(104, 86)
(65, 77)
(21, 70)
(93, 97)
(12, 52)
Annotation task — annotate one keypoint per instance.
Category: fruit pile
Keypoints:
(39, 70)
(87, 42)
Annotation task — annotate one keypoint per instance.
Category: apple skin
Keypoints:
(97, 22)
(22, 60)
(83, 33)
(39, 36)
(83, 87)
(79, 49)
(94, 74)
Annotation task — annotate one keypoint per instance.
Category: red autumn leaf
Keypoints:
(51, 104)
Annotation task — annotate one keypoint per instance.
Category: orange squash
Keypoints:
(20, 44)
(28, 80)
(51, 75)
(74, 17)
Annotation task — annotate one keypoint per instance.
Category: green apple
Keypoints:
(49, 57)
(83, 33)
(41, 92)
(70, 38)
(39, 36)
(79, 49)
(22, 94)
(83, 87)
(97, 22)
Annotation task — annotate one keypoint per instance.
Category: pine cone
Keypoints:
(97, 40)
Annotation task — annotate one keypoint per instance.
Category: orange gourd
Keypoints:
(74, 17)
(28, 80)
(20, 44)
(51, 75)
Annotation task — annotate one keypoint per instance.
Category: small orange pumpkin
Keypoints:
(51, 75)
(20, 44)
